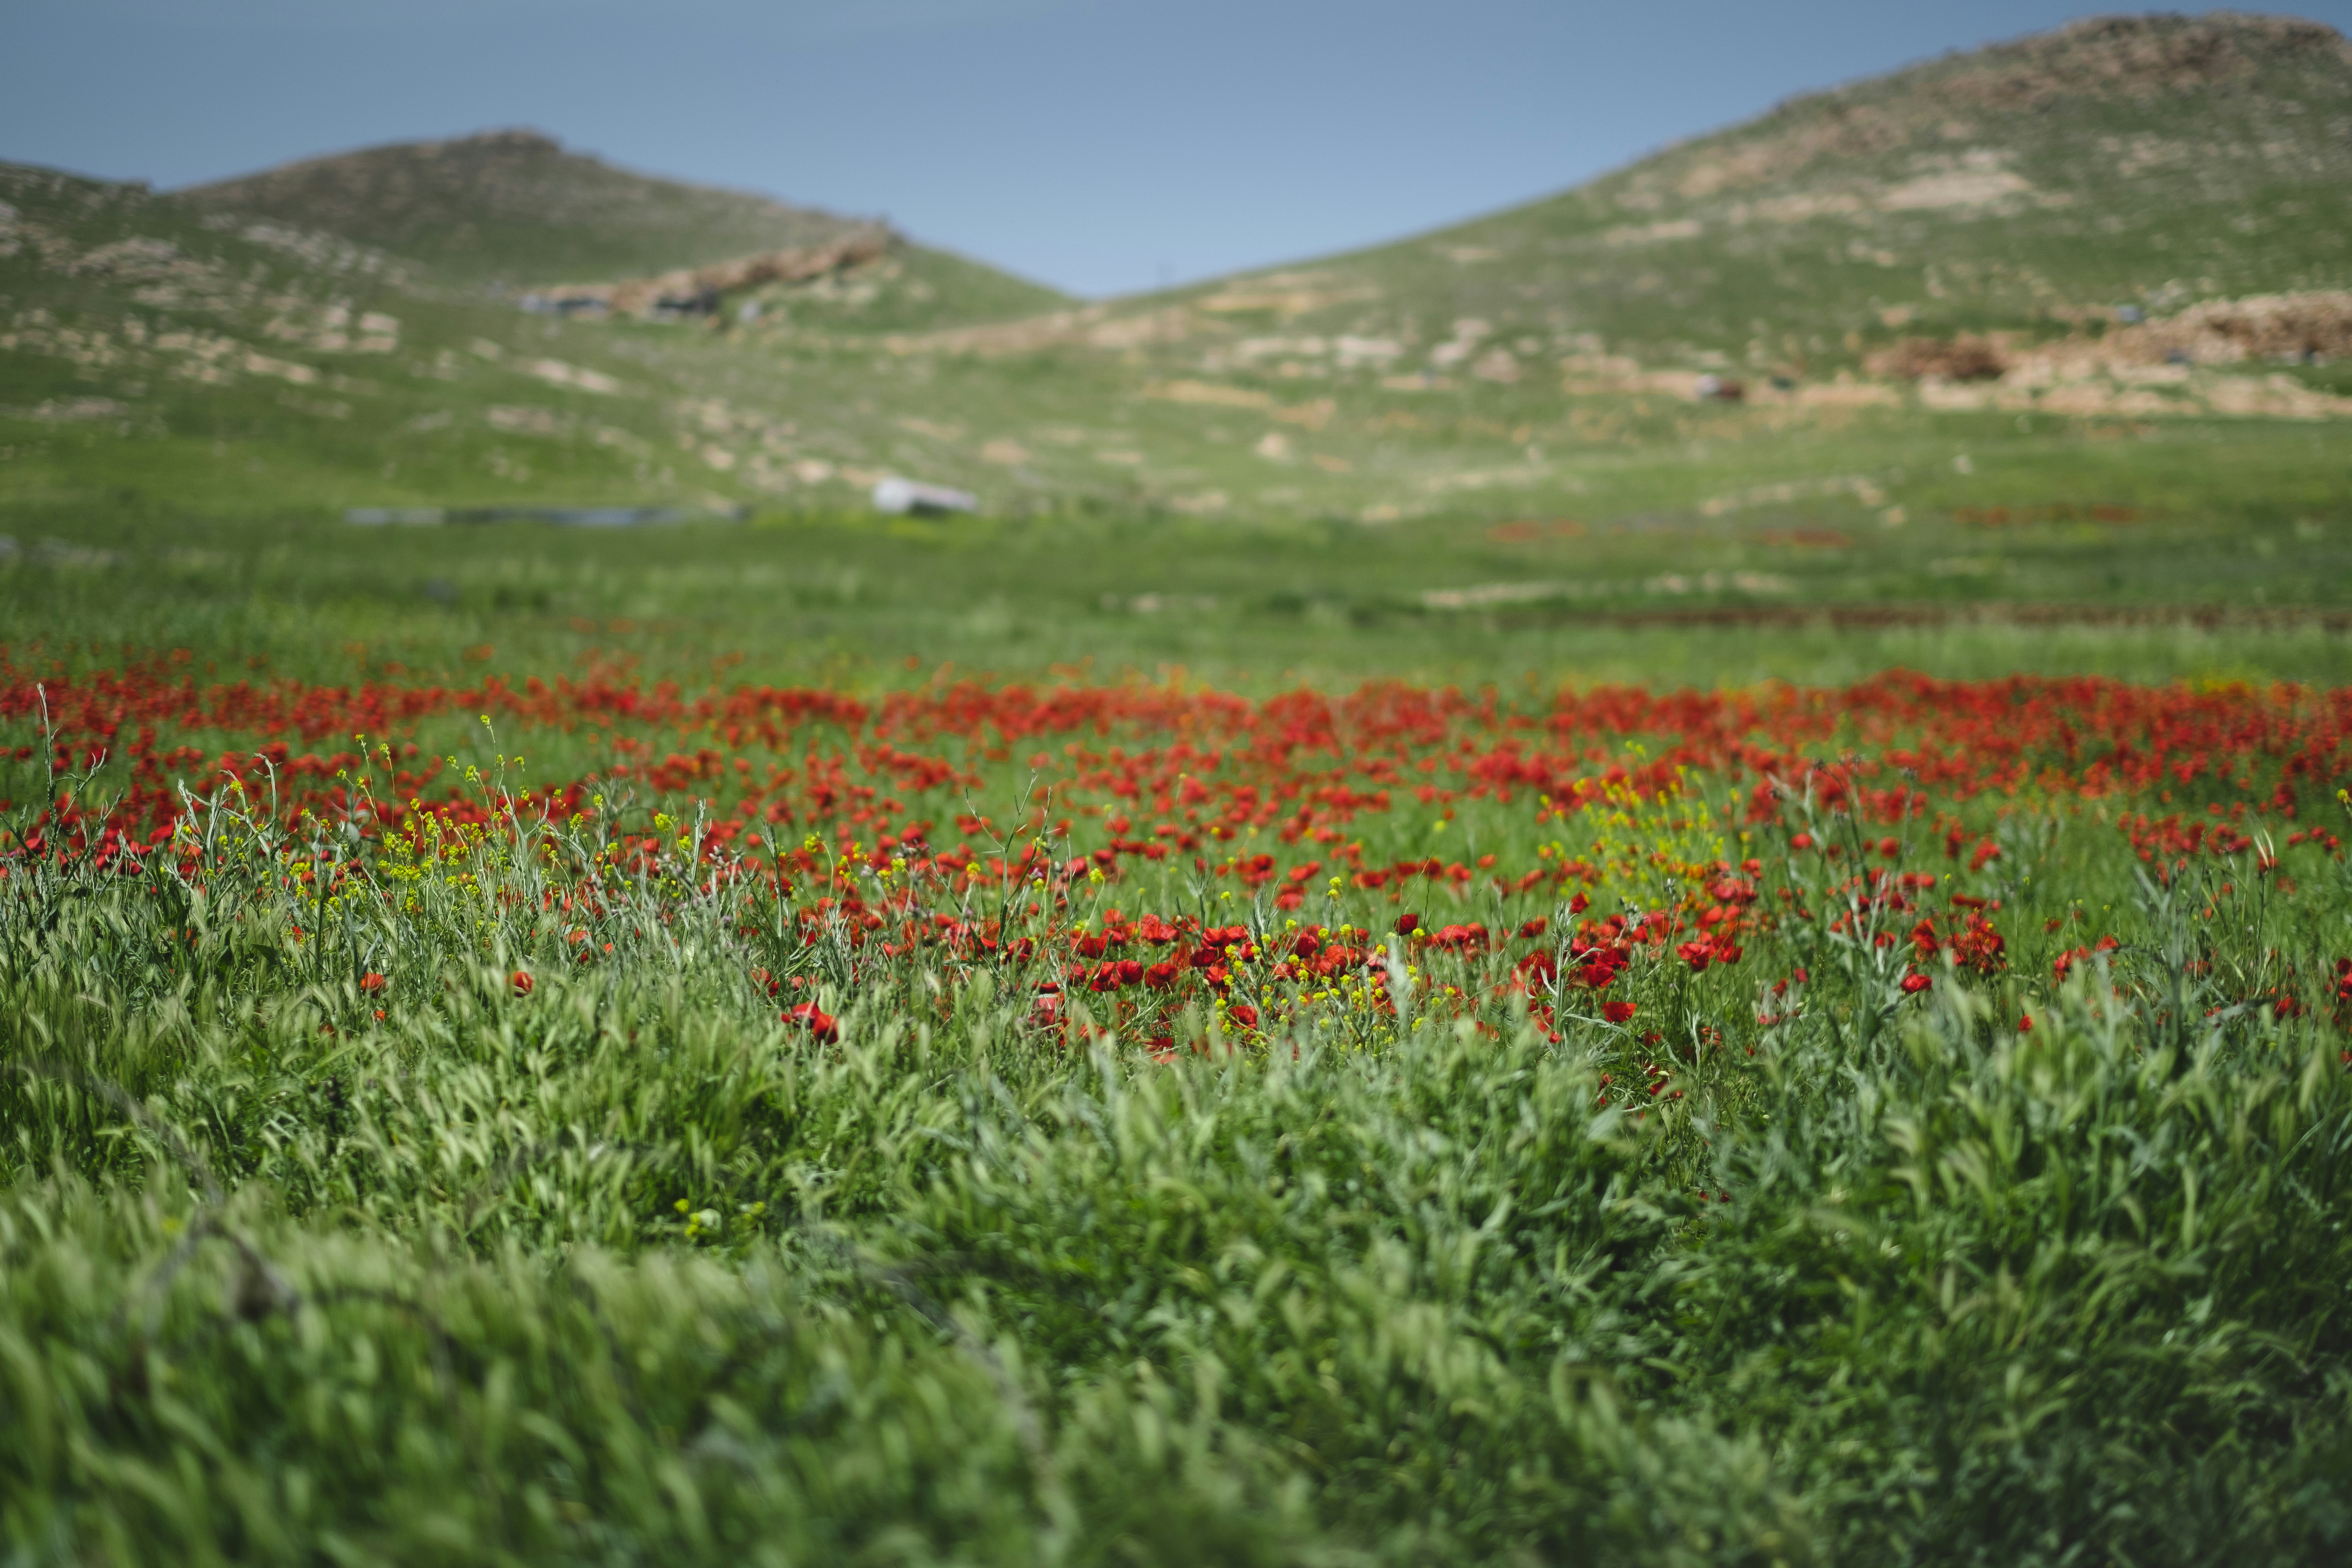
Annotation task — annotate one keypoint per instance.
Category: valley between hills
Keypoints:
(2064, 322)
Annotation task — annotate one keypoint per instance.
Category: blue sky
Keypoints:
(1100, 145)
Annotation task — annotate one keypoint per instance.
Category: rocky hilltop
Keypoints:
(517, 205)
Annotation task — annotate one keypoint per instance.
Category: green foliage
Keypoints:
(625, 1268)
(870, 603)
(322, 1240)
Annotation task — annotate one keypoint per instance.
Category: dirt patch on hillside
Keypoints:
(2309, 326)
(796, 264)
(1954, 188)
(1285, 293)
(1210, 393)
(1836, 131)
(1093, 326)
(2265, 326)
(1966, 357)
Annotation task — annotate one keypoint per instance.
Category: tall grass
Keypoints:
(627, 1268)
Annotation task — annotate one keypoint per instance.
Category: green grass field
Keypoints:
(1421, 945)
(2198, 581)
(324, 1239)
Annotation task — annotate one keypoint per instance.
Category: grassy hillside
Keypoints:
(154, 353)
(516, 205)
(2033, 185)
(1536, 372)
(517, 208)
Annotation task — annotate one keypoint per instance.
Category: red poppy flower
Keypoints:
(521, 981)
(818, 1022)
(1617, 1012)
(371, 982)
(1915, 983)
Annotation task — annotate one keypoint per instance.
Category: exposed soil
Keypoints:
(794, 264)
(1966, 357)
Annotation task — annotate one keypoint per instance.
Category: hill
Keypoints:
(2034, 185)
(516, 205)
(516, 208)
(1923, 281)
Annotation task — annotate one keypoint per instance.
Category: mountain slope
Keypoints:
(1917, 278)
(153, 352)
(517, 207)
(2034, 185)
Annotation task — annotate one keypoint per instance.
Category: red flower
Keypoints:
(521, 981)
(1617, 1012)
(1915, 983)
(1244, 1014)
(1697, 954)
(2025, 1023)
(1979, 947)
(371, 982)
(1407, 924)
(818, 1022)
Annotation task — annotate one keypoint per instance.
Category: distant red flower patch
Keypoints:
(1313, 823)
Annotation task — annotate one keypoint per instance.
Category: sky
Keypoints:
(1102, 146)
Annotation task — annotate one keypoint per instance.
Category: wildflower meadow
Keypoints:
(599, 1120)
(1653, 877)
